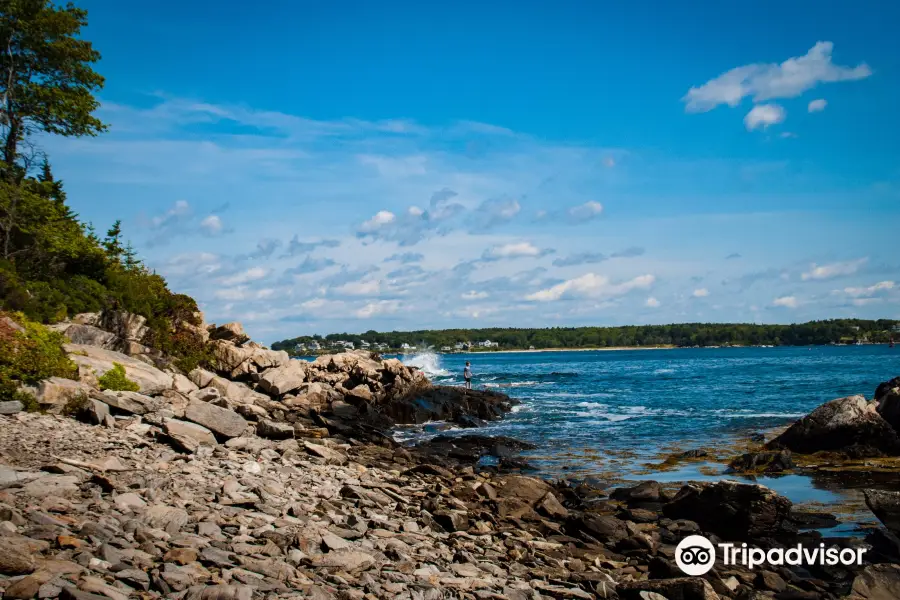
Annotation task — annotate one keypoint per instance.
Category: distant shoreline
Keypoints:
(606, 349)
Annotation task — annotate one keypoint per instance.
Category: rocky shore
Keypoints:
(261, 476)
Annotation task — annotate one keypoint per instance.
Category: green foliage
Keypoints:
(682, 335)
(46, 76)
(116, 380)
(29, 356)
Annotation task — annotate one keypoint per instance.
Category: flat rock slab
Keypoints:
(219, 420)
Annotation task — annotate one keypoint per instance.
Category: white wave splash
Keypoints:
(428, 362)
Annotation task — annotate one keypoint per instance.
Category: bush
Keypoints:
(29, 355)
(116, 381)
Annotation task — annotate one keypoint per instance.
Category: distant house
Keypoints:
(314, 345)
(381, 346)
(896, 329)
(446, 349)
(364, 344)
(488, 344)
(406, 347)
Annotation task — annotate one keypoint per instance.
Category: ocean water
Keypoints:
(618, 413)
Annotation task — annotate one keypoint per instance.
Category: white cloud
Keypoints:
(212, 224)
(586, 211)
(652, 302)
(251, 274)
(513, 250)
(763, 115)
(858, 292)
(396, 168)
(817, 105)
(832, 270)
(360, 288)
(381, 218)
(378, 308)
(766, 81)
(700, 293)
(591, 285)
(180, 209)
(473, 295)
(785, 301)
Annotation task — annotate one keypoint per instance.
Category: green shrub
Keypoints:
(115, 380)
(28, 356)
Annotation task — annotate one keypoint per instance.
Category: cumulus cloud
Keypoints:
(514, 250)
(212, 224)
(265, 248)
(733, 256)
(817, 105)
(380, 307)
(651, 302)
(494, 212)
(764, 115)
(859, 292)
(785, 302)
(591, 285)
(251, 274)
(582, 258)
(700, 293)
(296, 247)
(416, 224)
(585, 212)
(310, 265)
(832, 270)
(763, 81)
(474, 295)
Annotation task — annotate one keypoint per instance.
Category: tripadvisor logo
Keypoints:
(696, 555)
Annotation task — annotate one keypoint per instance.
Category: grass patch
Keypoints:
(116, 380)
(29, 352)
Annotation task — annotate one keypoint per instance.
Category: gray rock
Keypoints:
(133, 403)
(877, 582)
(222, 421)
(274, 430)
(125, 325)
(11, 407)
(189, 436)
(332, 457)
(284, 380)
(15, 557)
(886, 506)
(165, 517)
(850, 425)
(94, 360)
(349, 560)
(89, 335)
(55, 393)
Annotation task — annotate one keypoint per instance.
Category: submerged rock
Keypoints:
(850, 425)
(773, 461)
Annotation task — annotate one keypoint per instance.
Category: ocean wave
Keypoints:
(427, 362)
(663, 371)
(592, 405)
(609, 417)
(513, 384)
(762, 415)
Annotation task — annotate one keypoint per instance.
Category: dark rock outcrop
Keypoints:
(885, 387)
(773, 461)
(848, 425)
(732, 510)
(886, 506)
(446, 403)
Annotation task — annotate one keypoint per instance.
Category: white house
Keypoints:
(488, 344)
(364, 344)
(446, 348)
(314, 345)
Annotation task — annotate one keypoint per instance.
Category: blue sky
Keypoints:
(320, 167)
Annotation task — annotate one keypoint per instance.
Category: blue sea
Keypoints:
(597, 413)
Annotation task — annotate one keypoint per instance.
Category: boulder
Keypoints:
(222, 421)
(889, 407)
(189, 436)
(885, 387)
(11, 407)
(234, 391)
(233, 332)
(732, 510)
(183, 384)
(285, 379)
(886, 506)
(360, 393)
(877, 582)
(849, 425)
(98, 361)
(130, 402)
(311, 396)
(332, 457)
(92, 336)
(528, 489)
(773, 461)
(605, 529)
(125, 325)
(273, 430)
(201, 377)
(53, 394)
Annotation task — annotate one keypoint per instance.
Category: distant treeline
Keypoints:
(834, 331)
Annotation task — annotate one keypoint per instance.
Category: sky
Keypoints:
(346, 166)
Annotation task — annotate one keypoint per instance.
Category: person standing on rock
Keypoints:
(467, 375)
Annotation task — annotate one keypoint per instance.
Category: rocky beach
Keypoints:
(262, 476)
